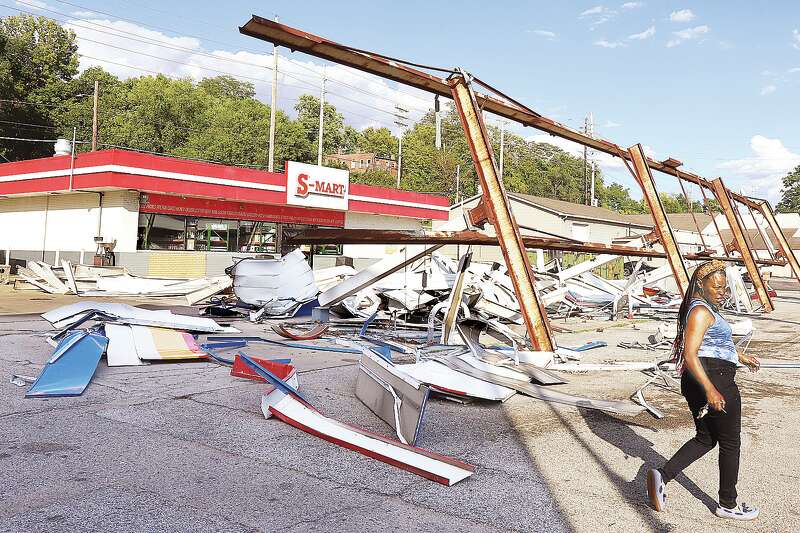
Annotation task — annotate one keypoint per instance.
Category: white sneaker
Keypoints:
(740, 512)
(656, 490)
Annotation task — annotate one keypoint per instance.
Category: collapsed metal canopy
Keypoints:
(384, 236)
(495, 207)
(404, 72)
(399, 71)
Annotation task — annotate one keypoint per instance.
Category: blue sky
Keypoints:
(714, 84)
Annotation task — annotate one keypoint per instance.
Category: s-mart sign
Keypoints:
(314, 186)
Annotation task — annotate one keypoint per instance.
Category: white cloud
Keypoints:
(688, 34)
(36, 5)
(598, 15)
(768, 89)
(763, 172)
(793, 70)
(683, 15)
(602, 43)
(632, 5)
(545, 33)
(646, 34)
(188, 58)
(83, 14)
(611, 124)
(796, 38)
(596, 10)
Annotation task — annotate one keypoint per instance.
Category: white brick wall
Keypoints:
(71, 220)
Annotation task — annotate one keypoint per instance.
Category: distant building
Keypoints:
(362, 162)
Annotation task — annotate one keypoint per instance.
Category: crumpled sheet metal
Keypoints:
(71, 367)
(284, 403)
(395, 397)
(279, 285)
(314, 333)
(128, 314)
(444, 379)
(547, 394)
(284, 371)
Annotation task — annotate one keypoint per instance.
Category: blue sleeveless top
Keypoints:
(718, 340)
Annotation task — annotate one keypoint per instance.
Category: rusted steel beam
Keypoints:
(500, 215)
(479, 215)
(783, 243)
(721, 193)
(392, 69)
(644, 177)
(370, 236)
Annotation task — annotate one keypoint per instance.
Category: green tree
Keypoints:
(227, 87)
(76, 108)
(790, 193)
(37, 58)
(153, 113)
(617, 198)
(379, 141)
(307, 108)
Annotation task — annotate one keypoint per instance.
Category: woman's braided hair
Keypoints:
(700, 273)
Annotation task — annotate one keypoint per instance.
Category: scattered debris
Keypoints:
(85, 280)
(71, 367)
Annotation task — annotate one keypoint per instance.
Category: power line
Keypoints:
(28, 124)
(156, 42)
(242, 165)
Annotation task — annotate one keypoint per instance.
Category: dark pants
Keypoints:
(715, 427)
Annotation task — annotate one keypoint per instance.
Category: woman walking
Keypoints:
(706, 358)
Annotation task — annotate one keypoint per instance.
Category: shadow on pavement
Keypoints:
(622, 436)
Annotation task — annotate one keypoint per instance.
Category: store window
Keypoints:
(212, 235)
(161, 232)
(169, 232)
(257, 236)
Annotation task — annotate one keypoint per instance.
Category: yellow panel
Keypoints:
(173, 344)
(177, 265)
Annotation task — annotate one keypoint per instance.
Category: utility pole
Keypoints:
(401, 116)
(502, 145)
(438, 116)
(321, 117)
(94, 115)
(592, 200)
(399, 159)
(588, 182)
(273, 108)
(585, 164)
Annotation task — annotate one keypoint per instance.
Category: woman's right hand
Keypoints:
(715, 399)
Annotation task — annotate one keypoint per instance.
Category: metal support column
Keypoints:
(641, 172)
(500, 215)
(721, 193)
(783, 243)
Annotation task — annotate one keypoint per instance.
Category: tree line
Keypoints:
(44, 95)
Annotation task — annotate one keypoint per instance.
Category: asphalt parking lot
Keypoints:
(184, 447)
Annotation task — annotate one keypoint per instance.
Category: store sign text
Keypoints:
(315, 186)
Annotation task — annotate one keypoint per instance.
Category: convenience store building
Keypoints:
(180, 218)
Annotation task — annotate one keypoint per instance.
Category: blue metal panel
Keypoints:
(286, 344)
(71, 367)
(588, 346)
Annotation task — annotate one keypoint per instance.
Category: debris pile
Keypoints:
(85, 280)
(422, 326)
